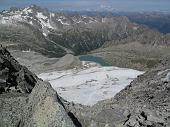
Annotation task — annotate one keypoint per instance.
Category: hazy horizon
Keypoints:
(78, 5)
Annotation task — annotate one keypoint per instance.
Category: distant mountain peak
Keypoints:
(45, 20)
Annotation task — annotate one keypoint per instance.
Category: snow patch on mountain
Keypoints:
(31, 22)
(90, 85)
(28, 10)
(49, 22)
(64, 23)
(41, 16)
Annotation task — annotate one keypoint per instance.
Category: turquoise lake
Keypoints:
(95, 59)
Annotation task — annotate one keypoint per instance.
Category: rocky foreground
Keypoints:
(27, 101)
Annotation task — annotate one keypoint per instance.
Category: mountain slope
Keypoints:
(61, 33)
(24, 37)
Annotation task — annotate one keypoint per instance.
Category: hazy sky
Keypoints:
(122, 5)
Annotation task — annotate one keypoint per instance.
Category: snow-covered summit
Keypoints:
(42, 18)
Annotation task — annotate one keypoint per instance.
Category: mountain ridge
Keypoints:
(78, 34)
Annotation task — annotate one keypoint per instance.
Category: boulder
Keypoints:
(41, 108)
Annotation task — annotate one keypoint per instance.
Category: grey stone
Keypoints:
(15, 75)
(36, 105)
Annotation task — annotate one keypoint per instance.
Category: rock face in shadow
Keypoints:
(13, 76)
(25, 100)
(144, 103)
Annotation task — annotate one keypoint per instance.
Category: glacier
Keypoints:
(88, 86)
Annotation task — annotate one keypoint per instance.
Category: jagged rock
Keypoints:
(145, 119)
(44, 108)
(13, 76)
(41, 108)
(36, 105)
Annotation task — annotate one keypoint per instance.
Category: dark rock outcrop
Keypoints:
(26, 101)
(13, 76)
